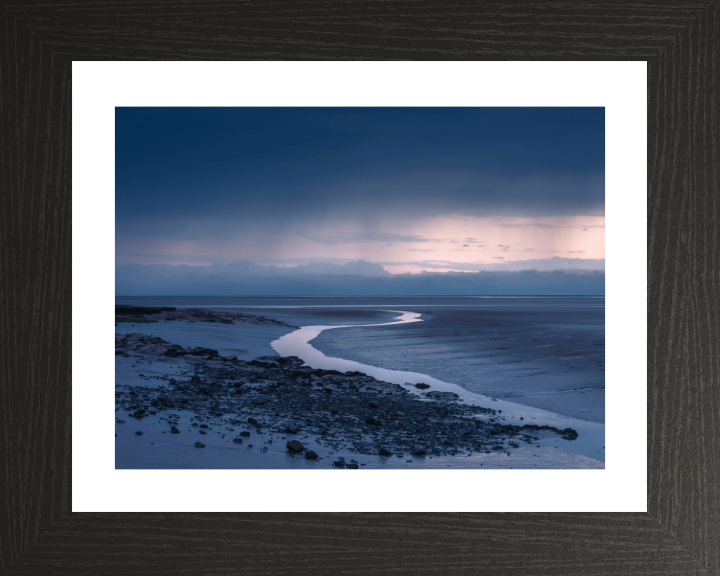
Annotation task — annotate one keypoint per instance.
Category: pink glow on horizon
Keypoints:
(455, 240)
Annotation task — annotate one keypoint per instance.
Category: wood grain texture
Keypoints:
(681, 532)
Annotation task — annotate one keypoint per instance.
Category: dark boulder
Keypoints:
(138, 433)
(352, 466)
(199, 444)
(311, 455)
(373, 404)
(237, 440)
(174, 351)
(174, 430)
(384, 452)
(418, 452)
(373, 421)
(202, 352)
(295, 446)
(339, 463)
(422, 386)
(245, 433)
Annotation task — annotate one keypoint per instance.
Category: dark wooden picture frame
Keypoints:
(680, 533)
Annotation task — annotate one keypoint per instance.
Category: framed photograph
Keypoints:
(301, 255)
(355, 300)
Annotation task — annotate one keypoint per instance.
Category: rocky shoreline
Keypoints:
(149, 313)
(345, 415)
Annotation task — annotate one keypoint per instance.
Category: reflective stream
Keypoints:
(591, 436)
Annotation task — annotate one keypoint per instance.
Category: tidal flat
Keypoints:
(224, 386)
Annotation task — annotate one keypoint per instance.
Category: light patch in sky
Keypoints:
(400, 244)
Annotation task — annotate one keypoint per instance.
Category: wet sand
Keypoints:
(166, 405)
(157, 449)
(552, 359)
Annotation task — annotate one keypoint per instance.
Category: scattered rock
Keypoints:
(201, 352)
(225, 391)
(138, 433)
(199, 444)
(437, 395)
(295, 446)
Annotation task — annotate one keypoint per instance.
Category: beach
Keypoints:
(246, 408)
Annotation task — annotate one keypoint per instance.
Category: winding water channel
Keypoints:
(591, 435)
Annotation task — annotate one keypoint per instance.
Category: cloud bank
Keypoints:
(352, 278)
(539, 264)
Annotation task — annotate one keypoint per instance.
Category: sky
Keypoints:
(366, 192)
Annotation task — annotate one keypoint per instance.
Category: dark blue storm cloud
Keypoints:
(269, 168)
(290, 185)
